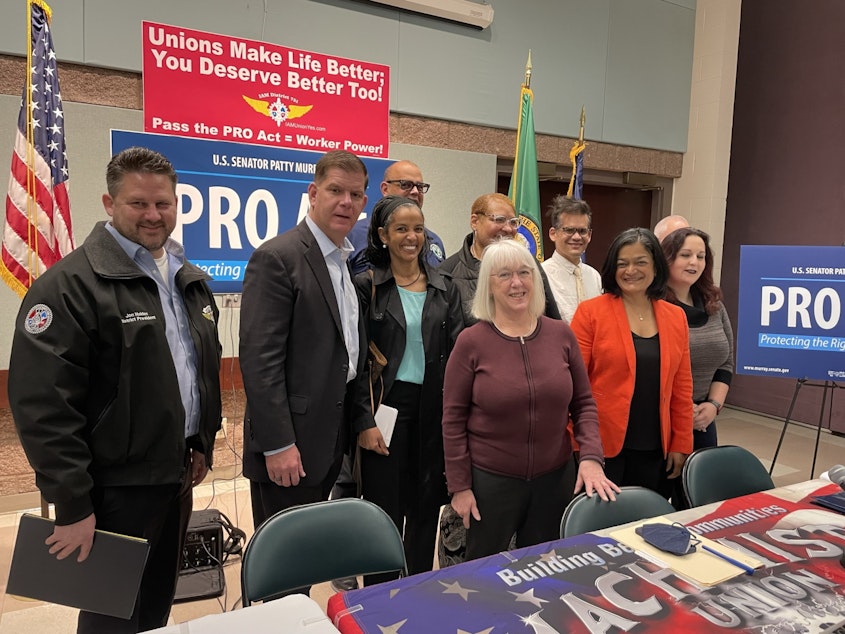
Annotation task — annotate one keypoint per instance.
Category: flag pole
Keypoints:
(526, 87)
(38, 229)
(524, 190)
(577, 148)
(31, 207)
(31, 211)
(528, 70)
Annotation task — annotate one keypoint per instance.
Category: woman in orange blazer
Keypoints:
(636, 348)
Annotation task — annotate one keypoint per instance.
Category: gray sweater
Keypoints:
(711, 349)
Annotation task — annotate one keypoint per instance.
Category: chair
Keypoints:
(313, 543)
(584, 514)
(714, 474)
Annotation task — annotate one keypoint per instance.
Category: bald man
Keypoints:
(402, 178)
(669, 224)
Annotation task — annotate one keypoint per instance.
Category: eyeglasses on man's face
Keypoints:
(406, 185)
(502, 220)
(571, 231)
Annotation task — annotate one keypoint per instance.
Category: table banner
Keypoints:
(592, 584)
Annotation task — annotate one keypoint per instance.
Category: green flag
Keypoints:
(524, 189)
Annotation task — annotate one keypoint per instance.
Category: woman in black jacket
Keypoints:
(413, 314)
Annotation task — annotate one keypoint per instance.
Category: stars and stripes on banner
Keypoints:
(38, 230)
(590, 583)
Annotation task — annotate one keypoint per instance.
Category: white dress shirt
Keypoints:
(561, 274)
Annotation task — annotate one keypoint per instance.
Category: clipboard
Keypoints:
(703, 568)
(107, 582)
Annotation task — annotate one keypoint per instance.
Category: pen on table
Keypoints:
(748, 569)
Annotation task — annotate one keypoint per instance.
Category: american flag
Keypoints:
(38, 230)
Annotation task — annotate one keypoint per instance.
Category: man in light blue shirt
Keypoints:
(162, 269)
(120, 423)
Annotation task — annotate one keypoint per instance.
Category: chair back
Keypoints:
(313, 543)
(714, 474)
(585, 514)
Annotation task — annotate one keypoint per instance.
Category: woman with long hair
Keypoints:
(413, 315)
(691, 287)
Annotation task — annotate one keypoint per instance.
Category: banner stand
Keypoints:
(826, 386)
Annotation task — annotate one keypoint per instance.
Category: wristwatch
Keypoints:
(715, 404)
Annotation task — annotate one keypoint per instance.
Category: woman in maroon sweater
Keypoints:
(510, 382)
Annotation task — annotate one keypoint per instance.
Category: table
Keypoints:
(590, 583)
(293, 614)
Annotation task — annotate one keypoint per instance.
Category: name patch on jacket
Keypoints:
(38, 319)
(138, 315)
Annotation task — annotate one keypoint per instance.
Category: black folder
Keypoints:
(106, 582)
(834, 501)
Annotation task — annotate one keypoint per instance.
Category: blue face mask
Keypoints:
(670, 538)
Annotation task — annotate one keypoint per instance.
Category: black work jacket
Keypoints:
(94, 394)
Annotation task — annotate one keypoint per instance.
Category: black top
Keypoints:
(696, 315)
(643, 432)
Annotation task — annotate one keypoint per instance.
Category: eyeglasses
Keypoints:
(406, 185)
(505, 276)
(501, 220)
(571, 231)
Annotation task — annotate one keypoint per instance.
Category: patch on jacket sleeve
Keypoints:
(436, 251)
(208, 313)
(38, 319)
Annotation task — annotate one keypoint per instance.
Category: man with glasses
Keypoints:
(572, 280)
(402, 178)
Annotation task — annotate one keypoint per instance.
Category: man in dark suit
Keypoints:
(302, 343)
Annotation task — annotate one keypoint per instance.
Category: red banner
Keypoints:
(215, 86)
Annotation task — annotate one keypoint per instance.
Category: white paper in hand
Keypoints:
(385, 421)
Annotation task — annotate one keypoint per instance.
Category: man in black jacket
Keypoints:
(114, 383)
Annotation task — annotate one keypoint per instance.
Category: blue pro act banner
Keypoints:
(233, 197)
(790, 312)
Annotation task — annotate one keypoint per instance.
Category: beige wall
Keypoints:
(700, 194)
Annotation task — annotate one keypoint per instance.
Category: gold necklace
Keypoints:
(639, 315)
